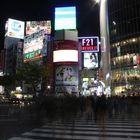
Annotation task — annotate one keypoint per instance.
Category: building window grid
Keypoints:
(120, 76)
(129, 22)
(125, 59)
(130, 30)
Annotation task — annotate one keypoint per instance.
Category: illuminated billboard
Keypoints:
(65, 18)
(90, 44)
(90, 60)
(34, 26)
(65, 56)
(34, 46)
(15, 28)
(66, 79)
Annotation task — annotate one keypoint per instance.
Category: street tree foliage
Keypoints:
(31, 74)
(8, 82)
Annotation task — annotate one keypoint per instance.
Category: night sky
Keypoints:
(26, 10)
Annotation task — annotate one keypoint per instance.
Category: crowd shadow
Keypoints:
(70, 108)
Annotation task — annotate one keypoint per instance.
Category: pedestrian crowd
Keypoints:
(97, 108)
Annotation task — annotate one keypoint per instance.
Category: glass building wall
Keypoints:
(124, 28)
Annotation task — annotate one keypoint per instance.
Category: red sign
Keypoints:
(87, 48)
(65, 44)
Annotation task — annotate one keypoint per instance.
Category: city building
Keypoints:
(124, 29)
(13, 45)
(13, 57)
(65, 52)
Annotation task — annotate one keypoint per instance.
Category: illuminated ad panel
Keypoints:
(15, 28)
(65, 56)
(35, 46)
(34, 26)
(65, 18)
(90, 44)
(66, 79)
(90, 60)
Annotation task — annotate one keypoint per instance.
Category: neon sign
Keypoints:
(90, 44)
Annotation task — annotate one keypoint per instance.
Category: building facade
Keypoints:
(124, 29)
(13, 58)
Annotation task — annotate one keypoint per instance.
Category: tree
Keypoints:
(32, 74)
(8, 82)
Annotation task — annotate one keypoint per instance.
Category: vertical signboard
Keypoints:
(34, 46)
(89, 46)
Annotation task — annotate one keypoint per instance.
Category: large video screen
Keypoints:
(34, 26)
(91, 60)
(65, 56)
(65, 18)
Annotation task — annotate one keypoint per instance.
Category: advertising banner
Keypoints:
(66, 78)
(35, 45)
(90, 60)
(34, 26)
(15, 28)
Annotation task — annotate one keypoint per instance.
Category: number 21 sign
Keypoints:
(89, 44)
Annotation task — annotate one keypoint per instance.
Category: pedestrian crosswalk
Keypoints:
(83, 129)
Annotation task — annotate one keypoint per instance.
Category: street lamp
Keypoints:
(105, 56)
(97, 1)
(48, 87)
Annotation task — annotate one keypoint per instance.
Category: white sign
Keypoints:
(15, 28)
(65, 56)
